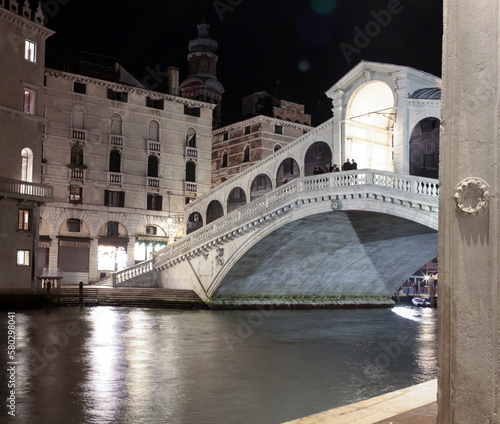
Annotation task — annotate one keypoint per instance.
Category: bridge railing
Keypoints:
(131, 272)
(405, 183)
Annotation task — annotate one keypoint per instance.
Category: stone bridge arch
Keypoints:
(385, 223)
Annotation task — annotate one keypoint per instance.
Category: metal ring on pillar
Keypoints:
(472, 196)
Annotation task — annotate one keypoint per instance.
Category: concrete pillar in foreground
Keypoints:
(469, 300)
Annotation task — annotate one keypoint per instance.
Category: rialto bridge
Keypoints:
(351, 237)
(338, 238)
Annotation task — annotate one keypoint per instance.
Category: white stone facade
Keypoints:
(123, 161)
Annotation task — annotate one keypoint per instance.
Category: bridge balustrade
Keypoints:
(407, 184)
(131, 272)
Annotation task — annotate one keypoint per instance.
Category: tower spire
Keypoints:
(201, 83)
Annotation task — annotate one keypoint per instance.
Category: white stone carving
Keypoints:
(472, 196)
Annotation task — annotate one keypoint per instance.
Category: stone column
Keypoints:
(469, 238)
(400, 137)
(338, 130)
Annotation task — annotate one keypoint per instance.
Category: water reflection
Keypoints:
(121, 365)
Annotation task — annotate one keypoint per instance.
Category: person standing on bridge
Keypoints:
(354, 165)
(346, 166)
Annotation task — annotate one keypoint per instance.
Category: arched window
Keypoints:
(190, 172)
(277, 147)
(76, 155)
(116, 124)
(194, 222)
(153, 166)
(318, 157)
(236, 199)
(246, 154)
(224, 160)
(214, 211)
(191, 138)
(154, 131)
(288, 169)
(260, 186)
(424, 148)
(26, 165)
(114, 161)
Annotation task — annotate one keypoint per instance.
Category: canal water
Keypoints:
(127, 365)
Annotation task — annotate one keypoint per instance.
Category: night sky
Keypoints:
(293, 49)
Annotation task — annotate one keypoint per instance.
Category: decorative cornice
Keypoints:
(127, 88)
(25, 23)
(261, 118)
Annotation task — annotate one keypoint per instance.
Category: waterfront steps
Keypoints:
(139, 297)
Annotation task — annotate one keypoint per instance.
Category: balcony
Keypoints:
(76, 174)
(190, 187)
(154, 146)
(153, 182)
(26, 191)
(191, 152)
(79, 134)
(115, 178)
(116, 140)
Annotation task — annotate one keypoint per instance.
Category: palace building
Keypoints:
(22, 48)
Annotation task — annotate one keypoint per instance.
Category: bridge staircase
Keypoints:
(132, 296)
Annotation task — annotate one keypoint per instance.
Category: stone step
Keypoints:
(131, 297)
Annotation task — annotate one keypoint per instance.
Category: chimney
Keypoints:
(173, 80)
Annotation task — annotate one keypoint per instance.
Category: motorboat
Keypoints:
(421, 302)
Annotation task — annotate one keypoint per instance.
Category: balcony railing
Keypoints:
(116, 140)
(154, 146)
(115, 177)
(191, 187)
(76, 174)
(23, 189)
(79, 134)
(191, 152)
(153, 182)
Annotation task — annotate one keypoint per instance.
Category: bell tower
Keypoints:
(201, 83)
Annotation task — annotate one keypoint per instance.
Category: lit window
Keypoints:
(30, 51)
(26, 165)
(23, 257)
(29, 101)
(24, 221)
(75, 194)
